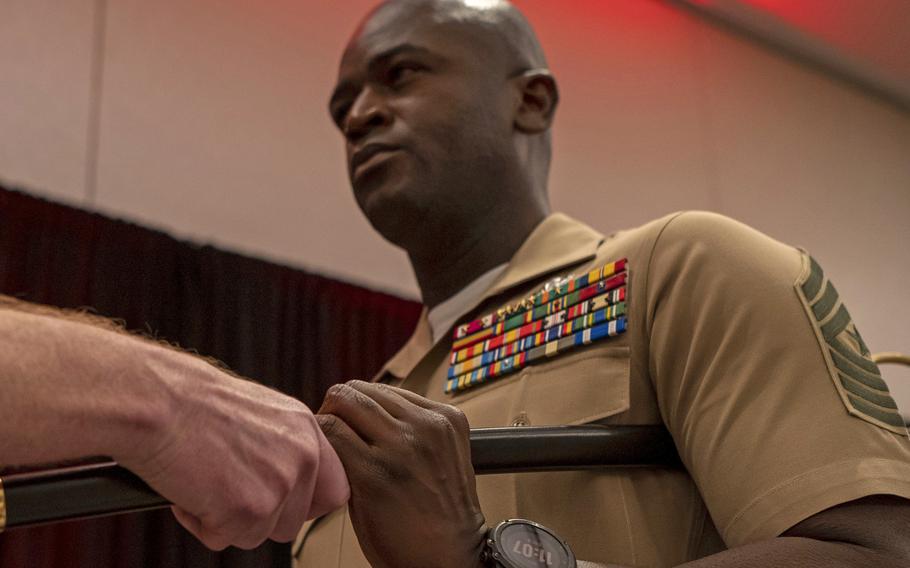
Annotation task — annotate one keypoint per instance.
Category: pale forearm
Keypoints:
(789, 552)
(69, 389)
(239, 461)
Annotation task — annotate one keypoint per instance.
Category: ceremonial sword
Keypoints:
(101, 489)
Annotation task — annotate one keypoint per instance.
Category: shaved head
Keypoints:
(498, 20)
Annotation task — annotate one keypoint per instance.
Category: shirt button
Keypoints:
(521, 420)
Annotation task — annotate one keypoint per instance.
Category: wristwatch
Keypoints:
(519, 543)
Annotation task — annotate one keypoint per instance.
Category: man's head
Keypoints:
(445, 106)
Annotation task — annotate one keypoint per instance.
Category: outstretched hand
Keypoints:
(242, 463)
(408, 459)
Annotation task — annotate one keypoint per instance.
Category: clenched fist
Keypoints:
(242, 463)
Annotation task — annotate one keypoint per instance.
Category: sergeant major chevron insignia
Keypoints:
(856, 376)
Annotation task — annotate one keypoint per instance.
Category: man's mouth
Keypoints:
(370, 156)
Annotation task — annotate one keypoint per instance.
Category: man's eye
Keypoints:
(401, 72)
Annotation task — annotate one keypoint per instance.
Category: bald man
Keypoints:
(794, 452)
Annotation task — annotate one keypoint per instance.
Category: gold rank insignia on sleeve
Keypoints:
(856, 376)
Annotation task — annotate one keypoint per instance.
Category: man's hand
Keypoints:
(241, 462)
(413, 497)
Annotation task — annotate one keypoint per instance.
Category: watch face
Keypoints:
(526, 546)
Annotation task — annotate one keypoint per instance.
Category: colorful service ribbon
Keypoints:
(515, 362)
(563, 287)
(563, 315)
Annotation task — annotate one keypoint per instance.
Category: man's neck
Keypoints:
(444, 273)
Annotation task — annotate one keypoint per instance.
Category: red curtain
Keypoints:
(295, 331)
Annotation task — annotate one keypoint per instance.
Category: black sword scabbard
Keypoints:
(29, 499)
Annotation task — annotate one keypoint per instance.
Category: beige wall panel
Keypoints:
(215, 126)
(45, 70)
(628, 135)
(816, 163)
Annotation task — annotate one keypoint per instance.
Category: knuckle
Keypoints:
(284, 534)
(255, 508)
(217, 527)
(433, 433)
(382, 387)
(332, 428)
(329, 424)
(287, 477)
(411, 439)
(441, 424)
(250, 541)
(457, 417)
(337, 393)
(343, 396)
(215, 536)
(215, 543)
(453, 414)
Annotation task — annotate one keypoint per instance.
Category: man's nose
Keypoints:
(368, 112)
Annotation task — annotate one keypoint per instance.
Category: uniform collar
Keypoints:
(557, 242)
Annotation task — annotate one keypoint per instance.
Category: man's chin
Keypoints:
(393, 219)
(388, 202)
(375, 184)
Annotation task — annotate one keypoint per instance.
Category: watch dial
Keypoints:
(525, 546)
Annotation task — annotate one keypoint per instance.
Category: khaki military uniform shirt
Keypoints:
(736, 343)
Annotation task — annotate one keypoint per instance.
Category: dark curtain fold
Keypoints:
(292, 330)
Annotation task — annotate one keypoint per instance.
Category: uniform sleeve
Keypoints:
(764, 381)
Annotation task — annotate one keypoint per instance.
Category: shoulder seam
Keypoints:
(649, 317)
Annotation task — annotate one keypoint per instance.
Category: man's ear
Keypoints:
(537, 105)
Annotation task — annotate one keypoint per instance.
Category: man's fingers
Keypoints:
(314, 496)
(332, 488)
(455, 416)
(294, 510)
(188, 521)
(388, 398)
(410, 408)
(400, 403)
(192, 524)
(420, 401)
(347, 443)
(360, 412)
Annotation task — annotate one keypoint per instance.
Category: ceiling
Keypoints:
(866, 42)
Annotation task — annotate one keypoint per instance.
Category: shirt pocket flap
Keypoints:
(575, 388)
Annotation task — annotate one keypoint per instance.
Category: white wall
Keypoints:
(212, 125)
(45, 70)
